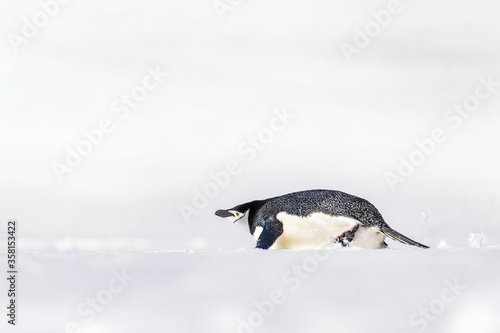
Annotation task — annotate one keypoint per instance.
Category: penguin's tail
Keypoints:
(393, 234)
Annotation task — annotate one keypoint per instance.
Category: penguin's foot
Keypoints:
(347, 235)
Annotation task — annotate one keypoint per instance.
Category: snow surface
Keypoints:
(212, 291)
(119, 209)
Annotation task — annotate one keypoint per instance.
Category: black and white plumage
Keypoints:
(312, 219)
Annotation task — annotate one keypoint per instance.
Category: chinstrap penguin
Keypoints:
(312, 219)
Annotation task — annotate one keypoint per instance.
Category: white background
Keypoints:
(353, 121)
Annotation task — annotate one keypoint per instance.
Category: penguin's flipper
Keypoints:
(391, 233)
(271, 232)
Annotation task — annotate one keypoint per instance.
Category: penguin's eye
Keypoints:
(238, 214)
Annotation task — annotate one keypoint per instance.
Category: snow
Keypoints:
(343, 290)
(193, 131)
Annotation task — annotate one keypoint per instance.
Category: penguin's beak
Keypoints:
(223, 213)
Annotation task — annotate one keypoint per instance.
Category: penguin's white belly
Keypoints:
(369, 237)
(318, 229)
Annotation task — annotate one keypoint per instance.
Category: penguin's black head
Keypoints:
(233, 214)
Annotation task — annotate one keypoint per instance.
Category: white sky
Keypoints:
(353, 120)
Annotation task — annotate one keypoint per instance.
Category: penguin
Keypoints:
(312, 219)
